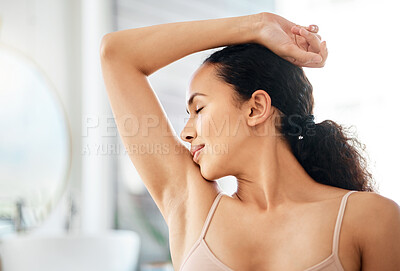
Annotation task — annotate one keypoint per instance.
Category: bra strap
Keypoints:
(210, 214)
(339, 219)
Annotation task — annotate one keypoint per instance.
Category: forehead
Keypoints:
(201, 78)
(205, 81)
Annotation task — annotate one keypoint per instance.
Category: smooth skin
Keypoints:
(280, 218)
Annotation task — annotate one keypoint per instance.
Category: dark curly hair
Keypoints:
(325, 150)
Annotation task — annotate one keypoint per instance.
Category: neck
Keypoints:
(275, 180)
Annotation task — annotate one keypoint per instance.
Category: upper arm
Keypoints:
(162, 161)
(380, 234)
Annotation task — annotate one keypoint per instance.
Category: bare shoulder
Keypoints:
(372, 205)
(369, 208)
(373, 199)
(376, 220)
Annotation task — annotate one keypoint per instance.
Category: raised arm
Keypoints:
(153, 47)
(129, 56)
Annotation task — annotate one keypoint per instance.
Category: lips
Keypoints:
(196, 148)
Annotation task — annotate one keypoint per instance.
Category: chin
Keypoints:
(210, 173)
(205, 173)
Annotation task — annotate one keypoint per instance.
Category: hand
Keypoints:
(301, 41)
(298, 45)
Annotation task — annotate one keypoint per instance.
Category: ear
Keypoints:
(259, 107)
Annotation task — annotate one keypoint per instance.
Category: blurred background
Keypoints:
(70, 199)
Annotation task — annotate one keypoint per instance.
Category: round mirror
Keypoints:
(35, 144)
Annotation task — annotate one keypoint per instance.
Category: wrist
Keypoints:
(258, 22)
(250, 27)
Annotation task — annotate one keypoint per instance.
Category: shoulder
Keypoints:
(377, 222)
(373, 209)
(373, 205)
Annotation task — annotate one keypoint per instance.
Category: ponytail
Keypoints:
(328, 153)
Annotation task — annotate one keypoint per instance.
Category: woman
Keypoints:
(250, 108)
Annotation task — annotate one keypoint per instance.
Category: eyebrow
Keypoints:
(192, 98)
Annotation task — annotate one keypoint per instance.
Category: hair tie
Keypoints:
(306, 123)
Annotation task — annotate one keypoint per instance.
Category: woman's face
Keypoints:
(219, 125)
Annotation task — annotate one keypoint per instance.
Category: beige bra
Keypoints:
(201, 258)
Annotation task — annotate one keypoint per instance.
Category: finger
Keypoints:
(324, 55)
(301, 42)
(312, 40)
(313, 28)
(302, 64)
(302, 57)
(324, 51)
(298, 33)
(296, 29)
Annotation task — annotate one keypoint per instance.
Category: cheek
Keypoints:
(215, 126)
(217, 153)
(222, 132)
(238, 127)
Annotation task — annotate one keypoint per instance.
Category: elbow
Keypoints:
(106, 47)
(109, 53)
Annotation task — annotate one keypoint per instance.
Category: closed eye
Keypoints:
(197, 111)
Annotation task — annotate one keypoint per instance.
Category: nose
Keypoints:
(188, 133)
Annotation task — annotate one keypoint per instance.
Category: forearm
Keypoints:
(153, 47)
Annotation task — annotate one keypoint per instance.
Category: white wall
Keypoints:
(50, 32)
(98, 169)
(45, 31)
